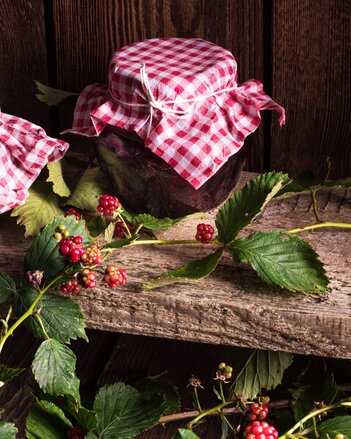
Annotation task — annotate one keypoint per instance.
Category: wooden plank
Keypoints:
(87, 33)
(24, 58)
(233, 303)
(311, 78)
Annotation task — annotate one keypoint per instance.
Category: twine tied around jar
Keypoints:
(154, 104)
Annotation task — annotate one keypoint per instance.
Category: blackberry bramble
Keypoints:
(92, 255)
(114, 276)
(260, 430)
(72, 247)
(70, 287)
(257, 412)
(73, 211)
(88, 278)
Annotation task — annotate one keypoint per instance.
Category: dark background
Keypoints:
(300, 49)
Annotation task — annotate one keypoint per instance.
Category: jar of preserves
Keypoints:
(171, 123)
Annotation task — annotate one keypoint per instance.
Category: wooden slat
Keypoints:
(311, 65)
(87, 33)
(23, 58)
(233, 303)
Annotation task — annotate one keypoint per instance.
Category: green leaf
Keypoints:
(290, 190)
(7, 287)
(8, 430)
(84, 417)
(184, 433)
(7, 373)
(40, 208)
(323, 389)
(282, 259)
(259, 370)
(89, 188)
(197, 269)
(43, 254)
(245, 204)
(54, 369)
(109, 231)
(337, 425)
(150, 387)
(97, 226)
(91, 435)
(152, 223)
(119, 243)
(122, 412)
(61, 316)
(47, 421)
(51, 96)
(59, 185)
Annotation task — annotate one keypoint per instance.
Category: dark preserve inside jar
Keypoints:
(147, 184)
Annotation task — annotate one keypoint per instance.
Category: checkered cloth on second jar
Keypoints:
(24, 151)
(182, 98)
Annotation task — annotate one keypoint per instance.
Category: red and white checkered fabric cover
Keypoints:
(177, 69)
(24, 150)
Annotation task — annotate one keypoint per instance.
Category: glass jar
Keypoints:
(147, 184)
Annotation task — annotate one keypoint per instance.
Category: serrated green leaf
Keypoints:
(96, 226)
(109, 232)
(290, 190)
(54, 367)
(7, 373)
(152, 223)
(84, 417)
(282, 259)
(184, 433)
(91, 435)
(43, 254)
(244, 205)
(8, 430)
(7, 286)
(260, 370)
(119, 243)
(61, 316)
(55, 177)
(337, 425)
(323, 389)
(47, 421)
(122, 412)
(89, 188)
(51, 96)
(194, 270)
(41, 207)
(149, 387)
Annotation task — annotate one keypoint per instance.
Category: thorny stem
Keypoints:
(218, 408)
(319, 225)
(197, 400)
(29, 311)
(313, 415)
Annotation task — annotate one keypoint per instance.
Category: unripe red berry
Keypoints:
(204, 233)
(108, 204)
(73, 211)
(260, 430)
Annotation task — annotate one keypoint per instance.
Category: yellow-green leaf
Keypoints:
(41, 207)
(51, 96)
(59, 185)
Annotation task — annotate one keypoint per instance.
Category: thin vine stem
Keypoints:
(320, 225)
(197, 400)
(314, 203)
(39, 320)
(205, 413)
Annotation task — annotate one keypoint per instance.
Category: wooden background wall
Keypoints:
(300, 49)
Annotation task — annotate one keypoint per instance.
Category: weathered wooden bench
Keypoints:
(232, 306)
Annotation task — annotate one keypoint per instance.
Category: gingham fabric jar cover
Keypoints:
(24, 151)
(182, 98)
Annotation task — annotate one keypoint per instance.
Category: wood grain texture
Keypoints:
(311, 78)
(23, 58)
(88, 32)
(232, 303)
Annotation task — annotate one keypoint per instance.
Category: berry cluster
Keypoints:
(61, 232)
(260, 430)
(108, 204)
(73, 211)
(70, 287)
(257, 412)
(88, 278)
(204, 233)
(92, 255)
(224, 372)
(120, 228)
(114, 276)
(72, 247)
(77, 432)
